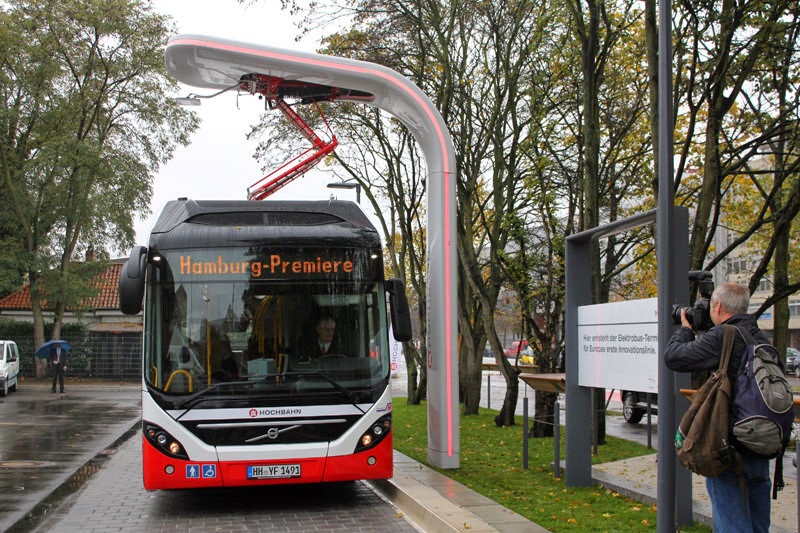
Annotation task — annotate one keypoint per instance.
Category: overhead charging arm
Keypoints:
(275, 89)
(298, 165)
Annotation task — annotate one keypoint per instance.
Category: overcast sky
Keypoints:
(219, 164)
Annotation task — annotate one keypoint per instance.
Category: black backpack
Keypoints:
(762, 405)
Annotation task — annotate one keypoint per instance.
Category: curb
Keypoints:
(436, 503)
(437, 515)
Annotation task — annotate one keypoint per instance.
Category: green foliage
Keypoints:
(73, 286)
(491, 464)
(87, 119)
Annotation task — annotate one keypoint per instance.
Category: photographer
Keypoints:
(686, 353)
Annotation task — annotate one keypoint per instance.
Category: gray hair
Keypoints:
(734, 298)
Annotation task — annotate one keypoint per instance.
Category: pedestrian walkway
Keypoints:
(50, 443)
(636, 478)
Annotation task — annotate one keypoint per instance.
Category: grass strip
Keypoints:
(491, 464)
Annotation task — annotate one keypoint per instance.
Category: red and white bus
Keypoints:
(230, 395)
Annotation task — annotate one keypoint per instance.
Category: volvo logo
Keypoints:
(272, 433)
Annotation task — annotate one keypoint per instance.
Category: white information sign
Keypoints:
(618, 345)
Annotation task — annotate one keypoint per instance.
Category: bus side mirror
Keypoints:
(131, 282)
(401, 316)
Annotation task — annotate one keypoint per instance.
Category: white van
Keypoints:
(9, 367)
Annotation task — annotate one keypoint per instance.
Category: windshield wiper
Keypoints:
(195, 398)
(351, 396)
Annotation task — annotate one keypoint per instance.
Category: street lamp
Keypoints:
(348, 185)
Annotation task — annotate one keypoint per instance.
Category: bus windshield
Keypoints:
(286, 323)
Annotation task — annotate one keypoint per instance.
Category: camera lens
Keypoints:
(676, 314)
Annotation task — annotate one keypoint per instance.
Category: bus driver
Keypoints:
(324, 341)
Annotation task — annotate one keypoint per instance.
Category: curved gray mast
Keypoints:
(213, 63)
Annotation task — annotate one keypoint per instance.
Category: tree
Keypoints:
(87, 122)
(737, 91)
(610, 156)
(716, 75)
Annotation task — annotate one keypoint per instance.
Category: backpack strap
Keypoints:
(777, 475)
(748, 339)
(727, 344)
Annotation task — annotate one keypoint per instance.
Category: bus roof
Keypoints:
(186, 223)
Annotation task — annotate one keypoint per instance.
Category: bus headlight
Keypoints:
(163, 441)
(375, 434)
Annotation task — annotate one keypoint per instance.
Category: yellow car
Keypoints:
(526, 357)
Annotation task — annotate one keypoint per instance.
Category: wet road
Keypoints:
(44, 435)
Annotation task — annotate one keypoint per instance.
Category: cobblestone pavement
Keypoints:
(115, 500)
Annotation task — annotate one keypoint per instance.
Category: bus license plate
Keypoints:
(273, 471)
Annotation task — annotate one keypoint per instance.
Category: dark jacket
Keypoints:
(308, 348)
(62, 360)
(687, 353)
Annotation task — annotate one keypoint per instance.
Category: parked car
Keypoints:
(487, 351)
(9, 367)
(515, 348)
(793, 362)
(634, 405)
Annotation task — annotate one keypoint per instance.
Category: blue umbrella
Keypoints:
(43, 352)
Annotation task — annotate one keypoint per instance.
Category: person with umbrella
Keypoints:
(58, 356)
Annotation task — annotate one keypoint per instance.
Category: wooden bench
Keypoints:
(546, 382)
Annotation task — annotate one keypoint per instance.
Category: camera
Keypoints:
(699, 315)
